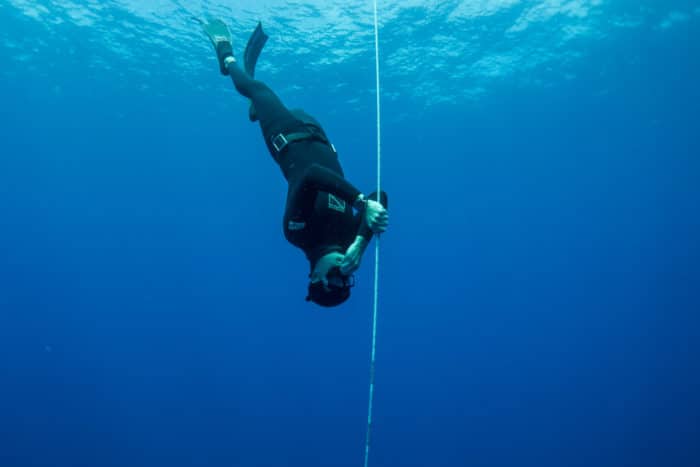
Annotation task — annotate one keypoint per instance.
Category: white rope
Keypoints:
(376, 249)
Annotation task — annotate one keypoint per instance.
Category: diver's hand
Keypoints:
(376, 216)
(353, 256)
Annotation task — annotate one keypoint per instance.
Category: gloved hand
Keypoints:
(353, 256)
(376, 216)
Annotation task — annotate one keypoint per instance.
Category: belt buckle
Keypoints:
(279, 142)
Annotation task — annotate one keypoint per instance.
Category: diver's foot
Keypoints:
(220, 37)
(224, 52)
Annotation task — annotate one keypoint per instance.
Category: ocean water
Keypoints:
(539, 282)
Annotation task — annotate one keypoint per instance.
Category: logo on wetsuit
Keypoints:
(335, 203)
(296, 225)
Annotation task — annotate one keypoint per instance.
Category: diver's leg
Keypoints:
(270, 110)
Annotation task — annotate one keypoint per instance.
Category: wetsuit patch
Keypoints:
(335, 203)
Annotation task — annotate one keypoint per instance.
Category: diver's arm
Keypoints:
(353, 255)
(379, 217)
(318, 178)
(314, 179)
(374, 218)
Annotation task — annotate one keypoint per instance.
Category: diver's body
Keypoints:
(313, 221)
(319, 217)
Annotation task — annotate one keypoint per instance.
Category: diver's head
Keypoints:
(328, 286)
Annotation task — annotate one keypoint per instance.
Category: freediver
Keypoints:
(325, 216)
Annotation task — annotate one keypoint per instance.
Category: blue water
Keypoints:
(540, 280)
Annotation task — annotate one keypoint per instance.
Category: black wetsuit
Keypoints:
(319, 217)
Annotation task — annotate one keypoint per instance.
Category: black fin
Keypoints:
(253, 48)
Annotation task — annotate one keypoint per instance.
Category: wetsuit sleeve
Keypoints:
(317, 178)
(364, 229)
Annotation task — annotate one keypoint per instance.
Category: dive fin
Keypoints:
(250, 59)
(216, 30)
(220, 37)
(253, 48)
